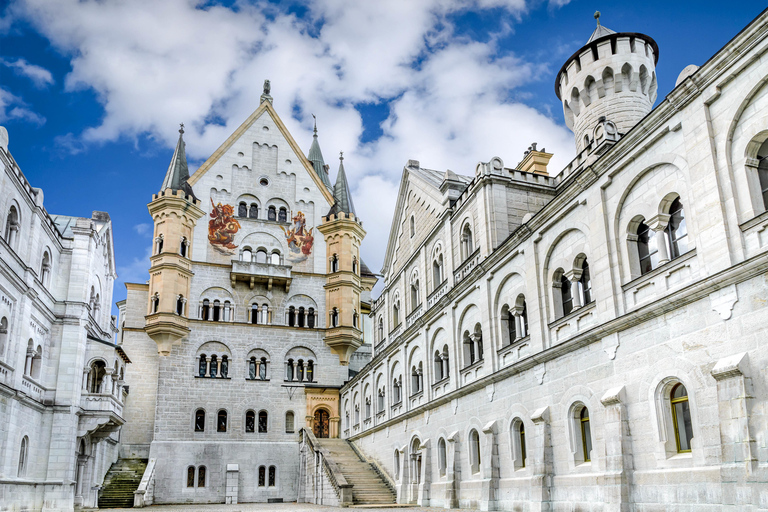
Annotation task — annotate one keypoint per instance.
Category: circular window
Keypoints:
(264, 182)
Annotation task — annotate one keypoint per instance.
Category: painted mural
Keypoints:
(299, 238)
(222, 228)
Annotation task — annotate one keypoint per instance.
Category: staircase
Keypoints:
(121, 481)
(368, 487)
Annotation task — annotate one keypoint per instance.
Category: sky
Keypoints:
(92, 91)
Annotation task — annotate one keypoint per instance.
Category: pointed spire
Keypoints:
(316, 157)
(341, 191)
(600, 31)
(178, 172)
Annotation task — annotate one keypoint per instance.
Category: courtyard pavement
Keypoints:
(276, 507)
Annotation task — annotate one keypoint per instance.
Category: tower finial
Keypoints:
(315, 118)
(597, 17)
(181, 128)
(341, 155)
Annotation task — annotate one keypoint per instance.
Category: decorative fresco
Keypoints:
(299, 238)
(222, 228)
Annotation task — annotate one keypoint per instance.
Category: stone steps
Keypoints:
(368, 488)
(122, 479)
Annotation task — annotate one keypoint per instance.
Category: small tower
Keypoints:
(343, 234)
(175, 210)
(316, 157)
(608, 85)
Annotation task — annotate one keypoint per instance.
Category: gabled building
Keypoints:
(593, 337)
(248, 325)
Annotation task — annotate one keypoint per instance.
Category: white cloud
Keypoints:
(137, 270)
(12, 107)
(144, 229)
(154, 64)
(39, 76)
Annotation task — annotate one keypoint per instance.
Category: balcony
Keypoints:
(467, 266)
(413, 316)
(252, 272)
(102, 415)
(438, 292)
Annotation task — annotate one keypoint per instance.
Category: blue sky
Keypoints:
(92, 92)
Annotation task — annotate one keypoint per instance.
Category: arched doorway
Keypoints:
(322, 421)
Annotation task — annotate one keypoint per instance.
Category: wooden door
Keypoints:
(321, 423)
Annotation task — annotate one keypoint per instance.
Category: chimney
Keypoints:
(535, 160)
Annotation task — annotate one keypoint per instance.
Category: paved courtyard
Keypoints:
(273, 507)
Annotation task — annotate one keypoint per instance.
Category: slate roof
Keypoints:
(178, 172)
(365, 271)
(341, 192)
(599, 32)
(435, 178)
(316, 157)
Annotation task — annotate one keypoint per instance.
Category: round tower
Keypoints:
(608, 85)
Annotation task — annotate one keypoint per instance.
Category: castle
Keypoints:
(587, 338)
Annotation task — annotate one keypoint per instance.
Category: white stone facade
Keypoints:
(61, 393)
(591, 378)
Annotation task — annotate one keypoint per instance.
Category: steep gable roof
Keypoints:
(341, 192)
(266, 106)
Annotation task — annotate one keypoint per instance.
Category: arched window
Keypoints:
(262, 476)
(214, 367)
(289, 369)
(647, 248)
(263, 369)
(396, 391)
(202, 366)
(396, 313)
(3, 335)
(261, 256)
(217, 311)
(289, 428)
(200, 420)
(413, 228)
(437, 272)
(397, 465)
(466, 242)
(518, 443)
(565, 294)
(524, 319)
(272, 475)
(302, 317)
(357, 414)
(354, 319)
(205, 310)
(12, 226)
(250, 421)
(45, 268)
(367, 408)
(97, 373)
(180, 305)
(275, 258)
(381, 329)
(221, 421)
(291, 316)
(335, 317)
(334, 263)
(184, 247)
(254, 313)
(262, 421)
(23, 452)
(271, 213)
(300, 370)
(508, 325)
(380, 404)
(415, 302)
(441, 456)
(224, 366)
(354, 265)
(438, 366)
(586, 434)
(246, 255)
(37, 364)
(585, 284)
(310, 371)
(762, 172)
(681, 418)
(242, 210)
(155, 302)
(201, 476)
(676, 231)
(282, 215)
(253, 212)
(191, 476)
(311, 318)
(474, 451)
(469, 349)
(160, 240)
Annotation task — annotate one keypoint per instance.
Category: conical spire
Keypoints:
(316, 157)
(600, 31)
(178, 172)
(341, 191)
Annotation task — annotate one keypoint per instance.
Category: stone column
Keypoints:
(446, 366)
(541, 461)
(425, 478)
(295, 372)
(739, 451)
(489, 468)
(618, 461)
(658, 224)
(86, 372)
(573, 276)
(518, 319)
(208, 367)
(106, 385)
(452, 470)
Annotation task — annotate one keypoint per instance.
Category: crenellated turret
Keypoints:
(608, 85)
(175, 211)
